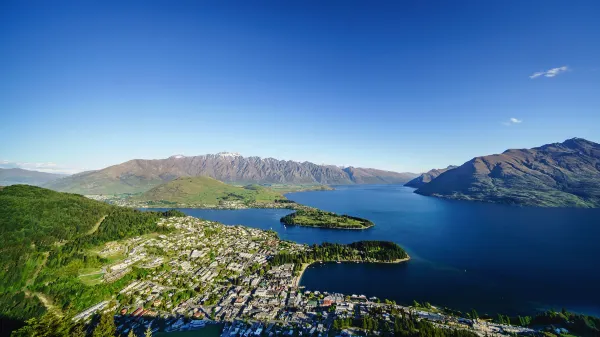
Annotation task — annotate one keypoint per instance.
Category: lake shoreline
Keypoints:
(342, 228)
(289, 206)
(306, 265)
(444, 233)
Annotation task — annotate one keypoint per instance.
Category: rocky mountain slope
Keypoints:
(427, 177)
(141, 175)
(554, 175)
(13, 176)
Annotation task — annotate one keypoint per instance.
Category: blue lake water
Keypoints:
(494, 258)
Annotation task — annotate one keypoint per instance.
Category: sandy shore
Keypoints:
(306, 265)
(300, 273)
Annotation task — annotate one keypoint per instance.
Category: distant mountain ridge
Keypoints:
(14, 176)
(563, 174)
(140, 175)
(428, 176)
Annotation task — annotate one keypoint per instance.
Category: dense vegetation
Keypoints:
(206, 191)
(45, 240)
(316, 218)
(368, 251)
(400, 325)
(576, 324)
(52, 325)
(19, 306)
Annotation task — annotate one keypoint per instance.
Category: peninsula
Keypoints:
(312, 217)
(361, 251)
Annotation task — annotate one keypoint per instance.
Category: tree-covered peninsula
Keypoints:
(361, 251)
(312, 217)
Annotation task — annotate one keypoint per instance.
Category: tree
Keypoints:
(106, 327)
(28, 330)
(148, 332)
(131, 333)
(79, 331)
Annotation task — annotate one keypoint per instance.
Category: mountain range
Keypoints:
(140, 175)
(13, 176)
(563, 174)
(427, 177)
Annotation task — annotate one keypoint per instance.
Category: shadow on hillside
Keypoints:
(7, 325)
(176, 326)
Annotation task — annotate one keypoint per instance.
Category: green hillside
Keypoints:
(207, 191)
(46, 239)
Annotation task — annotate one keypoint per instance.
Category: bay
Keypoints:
(494, 258)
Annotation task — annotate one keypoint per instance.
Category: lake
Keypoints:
(494, 258)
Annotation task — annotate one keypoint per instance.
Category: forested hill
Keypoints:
(45, 238)
(32, 215)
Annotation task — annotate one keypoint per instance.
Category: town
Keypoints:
(126, 200)
(202, 272)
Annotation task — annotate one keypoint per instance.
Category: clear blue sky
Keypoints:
(400, 85)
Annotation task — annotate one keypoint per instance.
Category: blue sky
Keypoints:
(399, 85)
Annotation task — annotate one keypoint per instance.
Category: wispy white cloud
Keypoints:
(536, 75)
(512, 121)
(48, 167)
(550, 72)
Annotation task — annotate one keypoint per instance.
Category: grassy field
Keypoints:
(318, 218)
(91, 279)
(207, 191)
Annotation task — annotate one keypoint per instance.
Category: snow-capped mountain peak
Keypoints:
(228, 154)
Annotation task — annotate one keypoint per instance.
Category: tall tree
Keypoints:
(106, 327)
(78, 331)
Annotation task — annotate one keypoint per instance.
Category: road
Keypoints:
(96, 226)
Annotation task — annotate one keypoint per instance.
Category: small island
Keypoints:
(312, 217)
